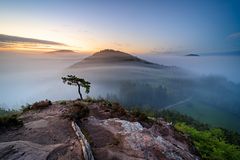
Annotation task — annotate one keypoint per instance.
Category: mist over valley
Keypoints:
(163, 82)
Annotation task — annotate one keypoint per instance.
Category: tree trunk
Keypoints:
(79, 92)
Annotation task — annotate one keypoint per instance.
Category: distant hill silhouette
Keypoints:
(114, 57)
(193, 55)
(64, 51)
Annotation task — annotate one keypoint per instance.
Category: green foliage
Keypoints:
(175, 117)
(232, 137)
(211, 143)
(9, 121)
(215, 100)
(140, 115)
(212, 115)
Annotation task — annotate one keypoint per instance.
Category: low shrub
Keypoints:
(26, 108)
(10, 121)
(63, 102)
(41, 105)
(118, 110)
(77, 111)
(141, 116)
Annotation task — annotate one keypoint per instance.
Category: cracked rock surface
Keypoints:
(45, 135)
(112, 132)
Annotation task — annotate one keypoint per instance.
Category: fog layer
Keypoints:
(29, 78)
(222, 65)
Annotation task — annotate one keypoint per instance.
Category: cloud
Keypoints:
(14, 39)
(178, 50)
(14, 42)
(234, 35)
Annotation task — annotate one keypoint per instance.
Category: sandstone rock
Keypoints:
(46, 134)
(138, 142)
(25, 150)
(36, 124)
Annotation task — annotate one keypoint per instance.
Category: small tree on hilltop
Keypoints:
(79, 82)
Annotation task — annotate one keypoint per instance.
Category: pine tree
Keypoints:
(79, 82)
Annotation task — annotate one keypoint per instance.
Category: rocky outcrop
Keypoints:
(107, 132)
(136, 141)
(25, 150)
(44, 135)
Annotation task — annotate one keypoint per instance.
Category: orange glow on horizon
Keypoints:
(41, 48)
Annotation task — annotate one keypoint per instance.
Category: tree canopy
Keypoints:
(79, 82)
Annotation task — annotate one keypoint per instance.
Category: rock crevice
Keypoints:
(87, 152)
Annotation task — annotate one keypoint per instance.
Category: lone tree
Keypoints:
(79, 82)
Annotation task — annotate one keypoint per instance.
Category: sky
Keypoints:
(134, 26)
